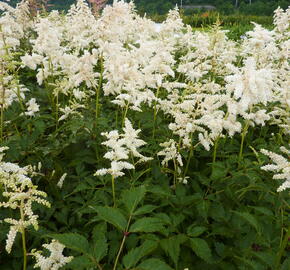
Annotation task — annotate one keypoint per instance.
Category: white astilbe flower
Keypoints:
(19, 193)
(170, 152)
(80, 26)
(11, 26)
(61, 180)
(280, 166)
(250, 85)
(206, 52)
(10, 89)
(282, 20)
(261, 45)
(56, 259)
(121, 147)
(71, 110)
(32, 107)
(131, 140)
(200, 114)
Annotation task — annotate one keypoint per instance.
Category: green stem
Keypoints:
(122, 243)
(56, 112)
(119, 252)
(125, 114)
(1, 122)
(215, 150)
(242, 141)
(175, 173)
(23, 238)
(113, 190)
(188, 160)
(282, 248)
(20, 100)
(155, 113)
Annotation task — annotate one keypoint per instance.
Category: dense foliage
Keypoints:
(131, 145)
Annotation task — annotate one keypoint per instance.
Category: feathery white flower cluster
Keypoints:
(56, 259)
(20, 194)
(141, 65)
(122, 146)
(32, 107)
(61, 180)
(281, 166)
(170, 153)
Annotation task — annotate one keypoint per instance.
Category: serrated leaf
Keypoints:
(131, 198)
(134, 255)
(100, 247)
(195, 231)
(155, 264)
(263, 210)
(147, 224)
(172, 246)
(73, 241)
(218, 171)
(250, 219)
(249, 263)
(80, 262)
(201, 249)
(145, 209)
(112, 216)
(266, 257)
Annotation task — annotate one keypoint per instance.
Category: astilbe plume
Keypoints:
(12, 29)
(56, 259)
(20, 194)
(280, 166)
(121, 147)
(170, 152)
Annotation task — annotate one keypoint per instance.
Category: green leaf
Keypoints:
(249, 218)
(147, 224)
(100, 247)
(145, 209)
(286, 264)
(201, 249)
(172, 246)
(131, 198)
(134, 255)
(73, 241)
(155, 264)
(80, 262)
(195, 231)
(113, 216)
(248, 264)
(263, 210)
(219, 171)
(266, 257)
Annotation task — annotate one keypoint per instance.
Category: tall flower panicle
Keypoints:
(56, 259)
(280, 166)
(121, 147)
(32, 107)
(170, 152)
(20, 194)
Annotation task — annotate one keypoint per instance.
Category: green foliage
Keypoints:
(201, 248)
(147, 224)
(135, 255)
(113, 216)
